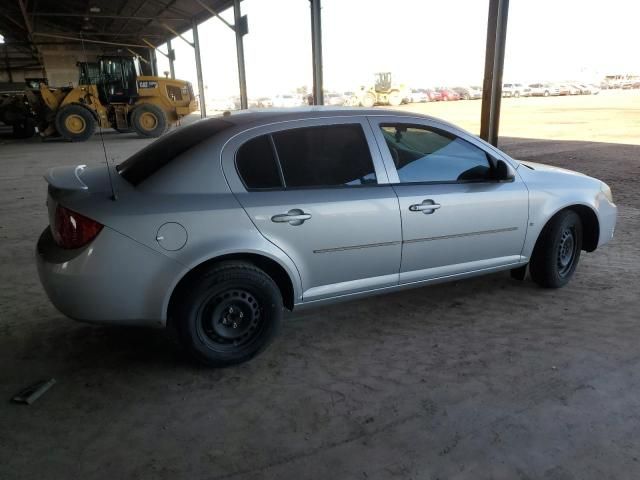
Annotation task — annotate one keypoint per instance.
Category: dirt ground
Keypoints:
(485, 378)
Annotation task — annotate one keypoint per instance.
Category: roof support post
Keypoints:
(240, 31)
(153, 63)
(196, 48)
(316, 49)
(171, 55)
(493, 70)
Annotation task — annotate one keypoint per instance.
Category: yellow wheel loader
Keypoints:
(384, 92)
(111, 94)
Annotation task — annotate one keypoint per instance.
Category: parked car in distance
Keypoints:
(543, 89)
(286, 100)
(447, 94)
(574, 89)
(434, 95)
(302, 208)
(333, 99)
(515, 90)
(564, 89)
(264, 102)
(595, 89)
(468, 93)
(418, 95)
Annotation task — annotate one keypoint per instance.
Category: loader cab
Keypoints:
(383, 82)
(89, 73)
(117, 79)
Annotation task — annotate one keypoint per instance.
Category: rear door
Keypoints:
(317, 190)
(455, 218)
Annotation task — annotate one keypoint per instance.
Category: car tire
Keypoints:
(546, 93)
(228, 314)
(75, 123)
(149, 120)
(557, 251)
(516, 95)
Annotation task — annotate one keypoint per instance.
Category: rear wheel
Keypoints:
(546, 93)
(228, 314)
(557, 252)
(395, 99)
(75, 123)
(149, 120)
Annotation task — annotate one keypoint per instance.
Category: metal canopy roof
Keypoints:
(27, 25)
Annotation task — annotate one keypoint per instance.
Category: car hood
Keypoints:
(541, 167)
(547, 176)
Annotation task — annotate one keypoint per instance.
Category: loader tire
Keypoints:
(75, 123)
(149, 120)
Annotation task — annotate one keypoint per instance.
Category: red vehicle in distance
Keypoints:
(447, 94)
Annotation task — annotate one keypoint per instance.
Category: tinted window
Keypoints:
(335, 155)
(257, 165)
(424, 155)
(152, 158)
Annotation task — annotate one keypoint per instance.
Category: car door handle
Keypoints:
(428, 206)
(292, 217)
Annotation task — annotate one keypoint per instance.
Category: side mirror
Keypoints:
(503, 172)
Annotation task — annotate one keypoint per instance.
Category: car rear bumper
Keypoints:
(112, 280)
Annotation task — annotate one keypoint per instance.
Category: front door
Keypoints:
(320, 193)
(455, 218)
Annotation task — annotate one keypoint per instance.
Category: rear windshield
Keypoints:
(141, 165)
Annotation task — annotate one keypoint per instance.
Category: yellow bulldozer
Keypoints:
(111, 94)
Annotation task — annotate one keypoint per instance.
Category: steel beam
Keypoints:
(86, 40)
(493, 70)
(171, 56)
(242, 78)
(316, 49)
(214, 13)
(196, 48)
(116, 17)
(153, 64)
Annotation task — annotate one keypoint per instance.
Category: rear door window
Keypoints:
(325, 156)
(257, 164)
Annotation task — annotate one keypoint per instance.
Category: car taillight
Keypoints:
(72, 230)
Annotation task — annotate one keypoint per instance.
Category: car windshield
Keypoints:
(155, 156)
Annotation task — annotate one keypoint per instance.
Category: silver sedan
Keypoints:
(219, 226)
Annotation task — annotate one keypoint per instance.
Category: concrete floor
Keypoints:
(486, 378)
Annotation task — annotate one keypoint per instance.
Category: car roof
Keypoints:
(270, 115)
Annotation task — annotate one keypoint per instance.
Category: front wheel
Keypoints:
(228, 314)
(369, 100)
(557, 251)
(75, 123)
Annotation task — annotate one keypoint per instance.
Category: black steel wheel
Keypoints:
(557, 251)
(228, 314)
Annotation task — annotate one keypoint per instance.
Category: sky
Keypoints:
(422, 42)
